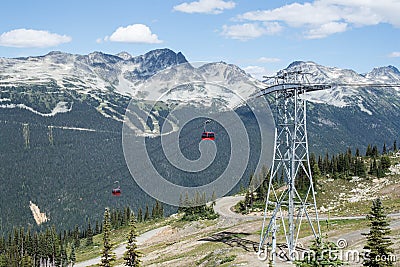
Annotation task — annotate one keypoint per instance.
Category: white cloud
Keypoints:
(294, 14)
(268, 59)
(205, 6)
(32, 38)
(321, 18)
(394, 54)
(248, 31)
(326, 30)
(135, 33)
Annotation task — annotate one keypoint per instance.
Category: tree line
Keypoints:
(197, 208)
(346, 165)
(49, 247)
(340, 166)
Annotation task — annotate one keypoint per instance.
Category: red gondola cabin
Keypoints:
(208, 136)
(116, 192)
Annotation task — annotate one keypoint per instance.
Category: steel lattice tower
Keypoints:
(284, 202)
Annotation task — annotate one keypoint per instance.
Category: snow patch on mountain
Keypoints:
(61, 107)
(124, 55)
(342, 96)
(96, 71)
(164, 73)
(363, 109)
(221, 83)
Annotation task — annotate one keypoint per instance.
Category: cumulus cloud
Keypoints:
(205, 6)
(322, 18)
(394, 54)
(135, 33)
(32, 38)
(248, 31)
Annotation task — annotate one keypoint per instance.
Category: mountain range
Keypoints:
(61, 119)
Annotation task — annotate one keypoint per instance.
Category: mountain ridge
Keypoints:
(81, 101)
(124, 74)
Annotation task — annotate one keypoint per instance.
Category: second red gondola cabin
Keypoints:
(116, 192)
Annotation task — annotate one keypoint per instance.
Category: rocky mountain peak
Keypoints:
(124, 55)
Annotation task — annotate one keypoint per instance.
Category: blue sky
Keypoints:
(260, 36)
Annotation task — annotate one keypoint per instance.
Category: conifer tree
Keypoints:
(385, 162)
(132, 254)
(26, 261)
(155, 211)
(72, 255)
(318, 256)
(77, 241)
(375, 151)
(57, 252)
(384, 149)
(107, 256)
(147, 213)
(213, 198)
(89, 235)
(64, 257)
(161, 210)
(140, 215)
(97, 228)
(394, 146)
(368, 153)
(378, 251)
(158, 210)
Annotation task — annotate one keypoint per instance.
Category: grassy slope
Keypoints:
(223, 242)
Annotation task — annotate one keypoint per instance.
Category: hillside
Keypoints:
(233, 238)
(61, 118)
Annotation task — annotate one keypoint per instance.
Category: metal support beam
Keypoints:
(290, 168)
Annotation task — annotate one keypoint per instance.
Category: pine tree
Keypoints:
(57, 252)
(378, 251)
(394, 146)
(147, 213)
(154, 211)
(140, 215)
(158, 210)
(26, 261)
(97, 228)
(318, 256)
(89, 235)
(107, 256)
(213, 198)
(77, 241)
(385, 162)
(375, 151)
(373, 167)
(384, 149)
(72, 255)
(132, 255)
(368, 153)
(64, 257)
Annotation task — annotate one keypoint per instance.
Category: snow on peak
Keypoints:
(297, 64)
(342, 96)
(124, 55)
(388, 74)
